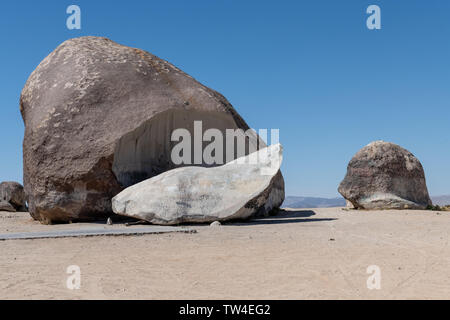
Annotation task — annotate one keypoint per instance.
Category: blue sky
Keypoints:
(309, 68)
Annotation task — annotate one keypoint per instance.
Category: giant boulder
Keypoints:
(237, 190)
(99, 117)
(383, 175)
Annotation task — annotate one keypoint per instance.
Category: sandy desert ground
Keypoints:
(300, 254)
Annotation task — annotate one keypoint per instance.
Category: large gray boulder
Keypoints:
(383, 175)
(240, 189)
(12, 196)
(98, 118)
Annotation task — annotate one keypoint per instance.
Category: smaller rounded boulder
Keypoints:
(12, 196)
(383, 175)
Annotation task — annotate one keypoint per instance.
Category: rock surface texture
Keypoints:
(5, 206)
(383, 175)
(237, 190)
(12, 197)
(99, 117)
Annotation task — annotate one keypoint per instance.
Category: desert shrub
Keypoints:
(438, 208)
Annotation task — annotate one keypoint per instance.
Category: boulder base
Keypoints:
(6, 206)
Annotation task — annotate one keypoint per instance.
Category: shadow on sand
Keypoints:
(284, 216)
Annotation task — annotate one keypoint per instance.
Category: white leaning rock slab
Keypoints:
(245, 187)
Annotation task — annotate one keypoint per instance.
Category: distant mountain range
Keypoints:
(315, 202)
(441, 200)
